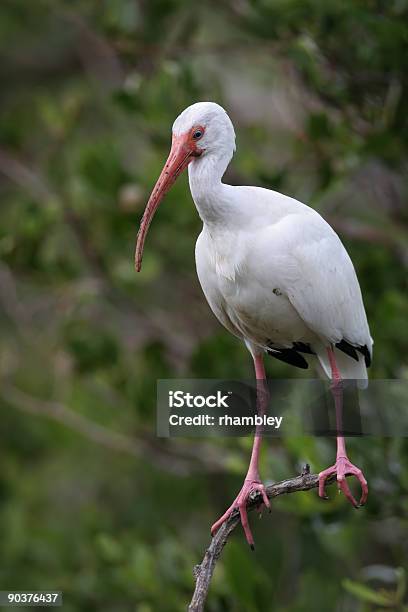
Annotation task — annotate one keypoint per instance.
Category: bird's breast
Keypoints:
(260, 313)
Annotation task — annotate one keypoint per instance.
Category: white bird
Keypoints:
(274, 273)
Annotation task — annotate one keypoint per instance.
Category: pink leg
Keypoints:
(252, 480)
(343, 467)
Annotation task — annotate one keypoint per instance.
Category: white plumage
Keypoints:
(274, 273)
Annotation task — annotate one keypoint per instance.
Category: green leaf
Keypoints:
(365, 593)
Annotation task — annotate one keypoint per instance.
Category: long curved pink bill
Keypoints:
(179, 158)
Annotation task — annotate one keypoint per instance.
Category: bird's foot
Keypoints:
(249, 488)
(342, 468)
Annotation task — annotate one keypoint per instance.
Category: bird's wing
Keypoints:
(316, 273)
(325, 291)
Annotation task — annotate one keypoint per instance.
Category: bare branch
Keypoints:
(204, 572)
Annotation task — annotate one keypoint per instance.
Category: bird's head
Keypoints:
(202, 131)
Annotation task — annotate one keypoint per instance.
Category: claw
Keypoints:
(265, 497)
(222, 520)
(364, 488)
(245, 524)
(343, 468)
(346, 490)
(322, 481)
(240, 503)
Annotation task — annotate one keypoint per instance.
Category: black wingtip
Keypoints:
(289, 356)
(347, 348)
(366, 353)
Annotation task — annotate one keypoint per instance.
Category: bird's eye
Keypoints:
(197, 134)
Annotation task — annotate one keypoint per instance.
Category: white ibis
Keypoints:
(274, 273)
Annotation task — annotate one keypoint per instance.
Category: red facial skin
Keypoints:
(184, 148)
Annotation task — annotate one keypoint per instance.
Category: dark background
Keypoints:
(91, 502)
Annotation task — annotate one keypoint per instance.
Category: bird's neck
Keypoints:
(209, 193)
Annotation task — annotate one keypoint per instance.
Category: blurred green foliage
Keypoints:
(90, 502)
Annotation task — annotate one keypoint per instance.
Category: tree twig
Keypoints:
(203, 573)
